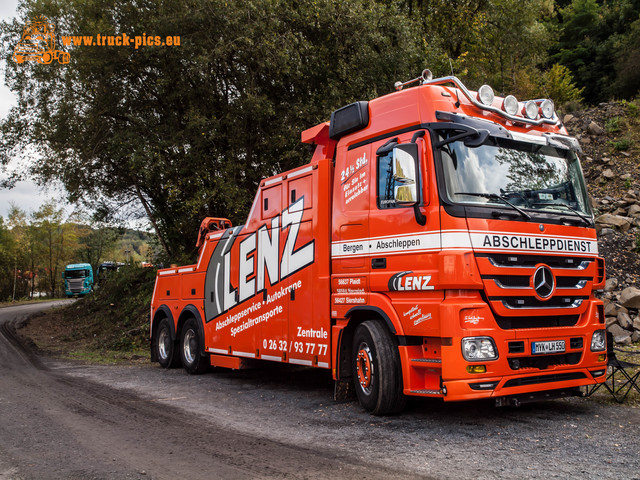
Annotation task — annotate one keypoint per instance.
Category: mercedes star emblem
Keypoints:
(543, 282)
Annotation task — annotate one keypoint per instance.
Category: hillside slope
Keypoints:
(610, 137)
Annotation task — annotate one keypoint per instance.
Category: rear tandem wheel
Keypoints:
(165, 348)
(191, 347)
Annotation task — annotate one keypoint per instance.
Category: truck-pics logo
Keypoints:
(38, 44)
(257, 253)
(402, 281)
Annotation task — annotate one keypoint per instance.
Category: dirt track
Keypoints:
(64, 420)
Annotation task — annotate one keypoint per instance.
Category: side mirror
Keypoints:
(405, 162)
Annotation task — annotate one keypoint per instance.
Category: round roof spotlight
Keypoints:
(398, 85)
(510, 105)
(547, 109)
(427, 76)
(531, 110)
(485, 95)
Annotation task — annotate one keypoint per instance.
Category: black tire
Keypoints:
(191, 347)
(377, 373)
(165, 348)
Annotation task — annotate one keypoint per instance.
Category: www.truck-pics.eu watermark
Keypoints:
(38, 43)
(122, 40)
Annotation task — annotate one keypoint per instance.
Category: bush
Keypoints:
(632, 108)
(622, 144)
(613, 125)
(558, 82)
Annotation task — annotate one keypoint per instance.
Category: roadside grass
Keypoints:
(108, 326)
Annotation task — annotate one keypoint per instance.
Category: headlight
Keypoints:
(510, 105)
(531, 109)
(599, 341)
(547, 109)
(485, 95)
(476, 349)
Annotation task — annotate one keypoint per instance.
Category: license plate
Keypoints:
(555, 346)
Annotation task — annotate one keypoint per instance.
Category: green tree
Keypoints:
(511, 45)
(189, 131)
(598, 42)
(8, 262)
(95, 242)
(58, 242)
(28, 252)
(560, 86)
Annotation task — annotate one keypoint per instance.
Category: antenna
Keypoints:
(457, 104)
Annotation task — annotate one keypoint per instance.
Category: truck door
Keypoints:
(350, 236)
(404, 245)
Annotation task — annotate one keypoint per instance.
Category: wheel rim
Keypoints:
(164, 344)
(364, 367)
(189, 346)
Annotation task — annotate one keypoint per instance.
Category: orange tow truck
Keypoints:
(440, 243)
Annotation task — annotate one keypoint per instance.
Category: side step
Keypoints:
(228, 361)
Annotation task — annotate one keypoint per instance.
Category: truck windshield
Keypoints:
(76, 273)
(526, 175)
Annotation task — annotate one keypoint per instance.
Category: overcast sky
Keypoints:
(25, 195)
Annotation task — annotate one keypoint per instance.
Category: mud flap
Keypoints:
(343, 391)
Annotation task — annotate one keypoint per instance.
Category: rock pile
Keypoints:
(613, 179)
(622, 315)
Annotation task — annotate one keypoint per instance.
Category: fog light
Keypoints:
(510, 105)
(531, 110)
(485, 95)
(476, 369)
(547, 109)
(598, 341)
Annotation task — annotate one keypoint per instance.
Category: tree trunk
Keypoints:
(151, 218)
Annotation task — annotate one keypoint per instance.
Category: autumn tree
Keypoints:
(58, 241)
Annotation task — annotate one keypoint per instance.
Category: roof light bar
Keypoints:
(510, 104)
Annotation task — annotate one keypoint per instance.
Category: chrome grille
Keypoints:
(76, 285)
(508, 288)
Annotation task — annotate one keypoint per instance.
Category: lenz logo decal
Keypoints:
(404, 281)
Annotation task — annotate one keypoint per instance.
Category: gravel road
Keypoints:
(65, 420)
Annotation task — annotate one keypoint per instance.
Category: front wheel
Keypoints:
(165, 348)
(191, 346)
(376, 369)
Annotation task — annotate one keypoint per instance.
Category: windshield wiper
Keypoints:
(586, 220)
(495, 196)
